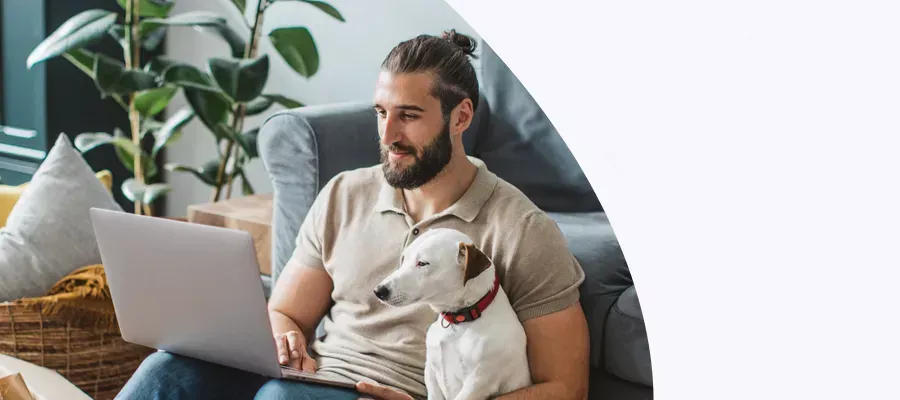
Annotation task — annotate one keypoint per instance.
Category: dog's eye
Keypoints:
(421, 264)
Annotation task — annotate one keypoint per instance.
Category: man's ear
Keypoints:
(475, 261)
(461, 116)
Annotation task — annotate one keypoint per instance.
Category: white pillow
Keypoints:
(49, 233)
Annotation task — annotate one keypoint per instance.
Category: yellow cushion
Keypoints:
(9, 195)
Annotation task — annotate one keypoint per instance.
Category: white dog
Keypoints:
(476, 347)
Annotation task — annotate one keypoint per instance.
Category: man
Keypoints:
(425, 98)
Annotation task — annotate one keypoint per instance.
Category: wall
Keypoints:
(350, 55)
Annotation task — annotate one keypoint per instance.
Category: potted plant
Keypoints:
(221, 94)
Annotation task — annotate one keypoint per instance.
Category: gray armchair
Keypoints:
(303, 148)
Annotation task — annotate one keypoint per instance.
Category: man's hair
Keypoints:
(447, 58)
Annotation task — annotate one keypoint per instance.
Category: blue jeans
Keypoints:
(169, 376)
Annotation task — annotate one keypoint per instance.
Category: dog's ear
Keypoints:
(475, 261)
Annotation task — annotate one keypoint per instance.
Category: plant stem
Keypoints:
(238, 166)
(219, 174)
(132, 60)
(247, 182)
(240, 109)
(121, 102)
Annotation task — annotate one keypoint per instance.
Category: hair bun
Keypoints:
(465, 42)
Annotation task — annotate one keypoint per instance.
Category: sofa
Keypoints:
(301, 149)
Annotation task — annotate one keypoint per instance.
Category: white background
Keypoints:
(747, 155)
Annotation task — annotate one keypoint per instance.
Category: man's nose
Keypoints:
(382, 292)
(390, 132)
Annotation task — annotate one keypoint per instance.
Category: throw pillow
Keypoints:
(49, 233)
(9, 195)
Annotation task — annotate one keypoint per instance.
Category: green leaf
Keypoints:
(258, 105)
(118, 33)
(111, 77)
(247, 140)
(240, 79)
(240, 4)
(297, 47)
(188, 76)
(149, 125)
(154, 191)
(327, 8)
(151, 36)
(132, 190)
(147, 194)
(171, 130)
(127, 159)
(205, 22)
(125, 149)
(159, 64)
(151, 102)
(151, 8)
(152, 39)
(262, 103)
(126, 156)
(192, 18)
(88, 141)
(212, 108)
(206, 174)
(284, 101)
(224, 132)
(82, 59)
(234, 40)
(83, 29)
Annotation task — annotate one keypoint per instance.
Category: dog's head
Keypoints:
(434, 270)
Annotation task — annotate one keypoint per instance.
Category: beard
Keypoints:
(435, 156)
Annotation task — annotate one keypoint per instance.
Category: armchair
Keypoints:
(303, 148)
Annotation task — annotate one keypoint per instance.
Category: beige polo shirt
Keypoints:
(356, 230)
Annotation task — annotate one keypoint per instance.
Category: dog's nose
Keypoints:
(382, 292)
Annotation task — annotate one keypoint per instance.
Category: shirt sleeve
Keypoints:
(308, 245)
(543, 275)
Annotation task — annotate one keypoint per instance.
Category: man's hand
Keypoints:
(379, 392)
(300, 299)
(292, 351)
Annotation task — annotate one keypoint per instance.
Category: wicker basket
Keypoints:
(96, 360)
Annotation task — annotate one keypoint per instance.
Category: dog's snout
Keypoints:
(382, 292)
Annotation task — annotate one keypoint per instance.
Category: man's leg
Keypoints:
(168, 376)
(283, 389)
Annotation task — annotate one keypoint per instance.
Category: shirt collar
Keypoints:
(467, 207)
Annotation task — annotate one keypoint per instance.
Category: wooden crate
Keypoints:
(252, 214)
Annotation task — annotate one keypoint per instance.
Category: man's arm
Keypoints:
(558, 350)
(300, 299)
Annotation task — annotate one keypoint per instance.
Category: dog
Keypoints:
(476, 348)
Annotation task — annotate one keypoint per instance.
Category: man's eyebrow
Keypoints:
(409, 107)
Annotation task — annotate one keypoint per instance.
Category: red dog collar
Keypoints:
(473, 312)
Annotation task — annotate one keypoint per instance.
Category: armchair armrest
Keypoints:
(301, 150)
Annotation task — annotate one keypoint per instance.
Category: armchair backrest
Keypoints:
(303, 148)
(518, 142)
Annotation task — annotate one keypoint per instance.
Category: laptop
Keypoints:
(192, 290)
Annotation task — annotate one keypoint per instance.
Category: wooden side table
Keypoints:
(252, 214)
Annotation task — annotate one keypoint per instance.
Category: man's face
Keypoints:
(415, 138)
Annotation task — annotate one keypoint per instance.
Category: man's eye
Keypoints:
(409, 116)
(381, 113)
(421, 264)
